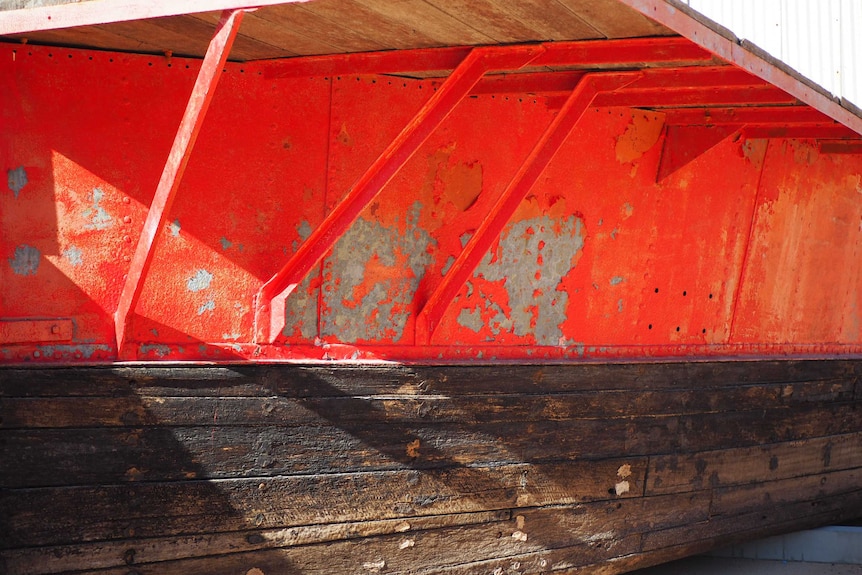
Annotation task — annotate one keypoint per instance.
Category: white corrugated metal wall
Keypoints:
(821, 39)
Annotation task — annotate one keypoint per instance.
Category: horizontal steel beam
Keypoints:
(636, 52)
(94, 12)
(746, 115)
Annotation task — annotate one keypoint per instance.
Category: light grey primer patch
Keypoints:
(208, 306)
(617, 280)
(231, 336)
(158, 349)
(99, 218)
(471, 319)
(304, 229)
(301, 310)
(465, 237)
(614, 233)
(16, 179)
(86, 351)
(533, 288)
(74, 256)
(225, 243)
(174, 228)
(200, 281)
(384, 309)
(447, 266)
(154, 331)
(26, 260)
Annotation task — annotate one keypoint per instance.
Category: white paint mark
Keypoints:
(99, 218)
(624, 471)
(74, 256)
(374, 566)
(622, 487)
(519, 536)
(200, 281)
(402, 527)
(406, 543)
(519, 522)
(254, 571)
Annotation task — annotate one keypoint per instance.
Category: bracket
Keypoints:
(178, 158)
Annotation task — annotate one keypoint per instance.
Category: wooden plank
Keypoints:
(166, 453)
(336, 381)
(107, 512)
(92, 37)
(104, 554)
(435, 23)
(705, 470)
(593, 525)
(488, 18)
(283, 39)
(295, 18)
(548, 19)
(468, 408)
(372, 25)
(245, 47)
(753, 497)
(613, 20)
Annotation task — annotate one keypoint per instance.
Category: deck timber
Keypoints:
(409, 469)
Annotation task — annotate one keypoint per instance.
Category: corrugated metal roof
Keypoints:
(822, 40)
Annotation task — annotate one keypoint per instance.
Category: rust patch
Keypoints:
(641, 135)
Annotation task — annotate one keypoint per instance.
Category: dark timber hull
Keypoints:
(418, 469)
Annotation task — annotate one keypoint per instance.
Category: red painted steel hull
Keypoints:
(750, 248)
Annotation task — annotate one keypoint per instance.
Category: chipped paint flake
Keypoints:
(174, 228)
(641, 135)
(471, 319)
(74, 256)
(536, 301)
(622, 487)
(370, 296)
(225, 243)
(16, 179)
(26, 260)
(209, 305)
(200, 281)
(99, 218)
(617, 280)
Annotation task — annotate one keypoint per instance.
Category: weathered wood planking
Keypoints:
(417, 469)
(340, 26)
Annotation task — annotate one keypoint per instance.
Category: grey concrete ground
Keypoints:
(736, 566)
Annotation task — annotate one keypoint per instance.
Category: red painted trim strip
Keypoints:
(172, 174)
(489, 230)
(93, 12)
(270, 301)
(669, 14)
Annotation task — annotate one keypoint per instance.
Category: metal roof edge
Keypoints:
(722, 42)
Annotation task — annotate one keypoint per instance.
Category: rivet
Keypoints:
(127, 239)
(127, 219)
(55, 329)
(127, 200)
(127, 258)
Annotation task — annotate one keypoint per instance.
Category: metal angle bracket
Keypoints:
(684, 144)
(172, 174)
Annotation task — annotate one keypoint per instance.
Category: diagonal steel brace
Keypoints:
(184, 141)
(489, 230)
(270, 302)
